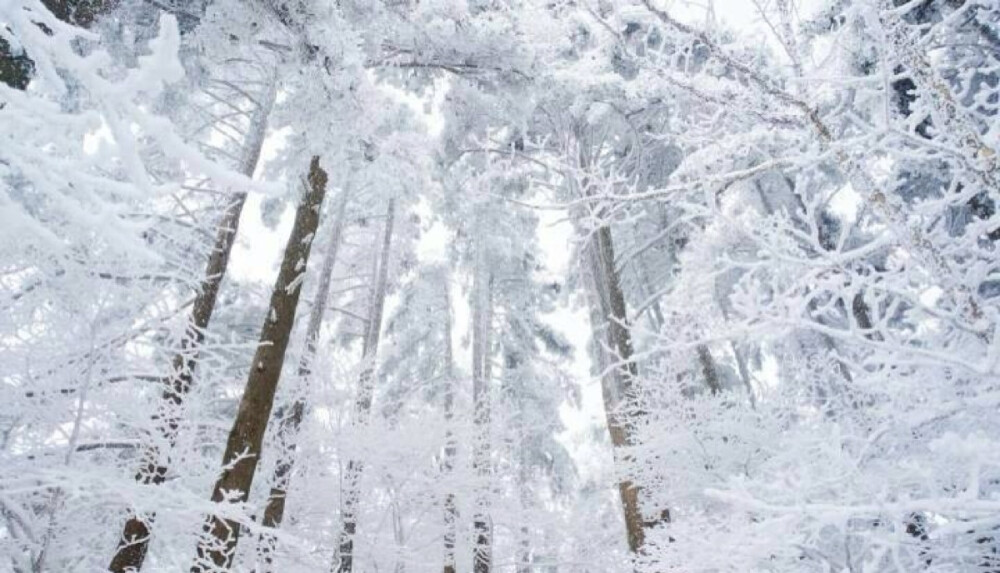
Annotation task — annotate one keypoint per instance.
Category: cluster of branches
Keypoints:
(784, 249)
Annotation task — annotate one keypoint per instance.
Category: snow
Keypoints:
(798, 272)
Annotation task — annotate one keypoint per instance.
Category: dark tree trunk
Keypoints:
(450, 445)
(619, 373)
(481, 344)
(524, 500)
(613, 349)
(288, 429)
(243, 448)
(134, 540)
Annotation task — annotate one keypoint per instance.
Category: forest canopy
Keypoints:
(561, 286)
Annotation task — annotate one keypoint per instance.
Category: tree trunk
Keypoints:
(243, 448)
(288, 429)
(524, 500)
(400, 537)
(482, 292)
(344, 563)
(450, 445)
(744, 372)
(618, 370)
(609, 321)
(134, 540)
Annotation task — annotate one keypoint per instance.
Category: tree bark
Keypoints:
(450, 443)
(619, 372)
(524, 500)
(243, 448)
(400, 537)
(134, 540)
(289, 424)
(344, 563)
(482, 292)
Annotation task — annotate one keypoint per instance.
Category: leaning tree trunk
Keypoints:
(450, 444)
(613, 348)
(134, 540)
(618, 373)
(288, 429)
(344, 562)
(243, 448)
(482, 292)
